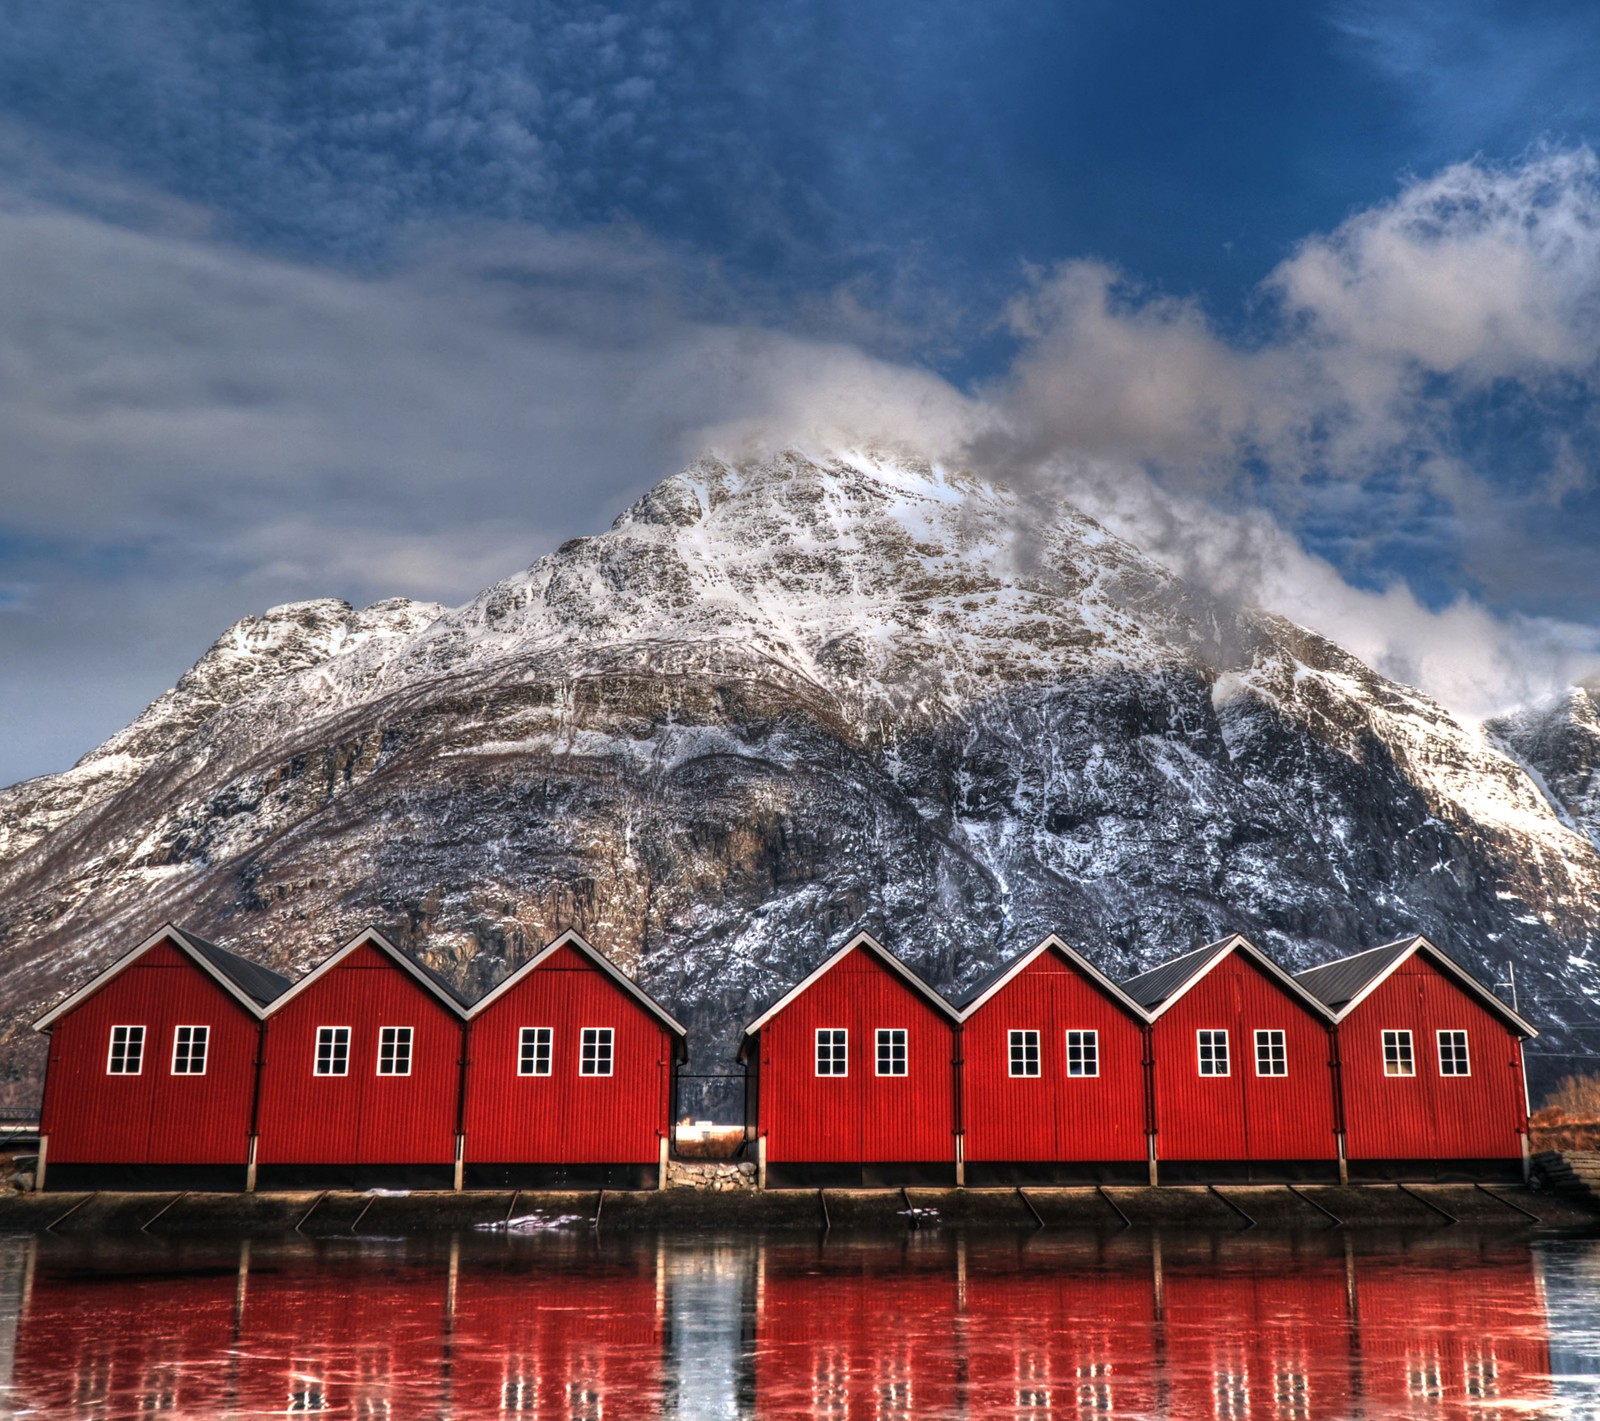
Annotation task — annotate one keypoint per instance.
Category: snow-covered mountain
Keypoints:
(779, 698)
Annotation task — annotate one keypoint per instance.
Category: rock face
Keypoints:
(775, 701)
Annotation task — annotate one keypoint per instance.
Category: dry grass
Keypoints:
(1569, 1119)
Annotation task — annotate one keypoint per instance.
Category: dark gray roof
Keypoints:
(258, 983)
(1335, 983)
(444, 984)
(1152, 988)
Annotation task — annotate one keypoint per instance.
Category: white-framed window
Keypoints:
(1398, 1059)
(1272, 1054)
(1213, 1048)
(1453, 1059)
(1083, 1053)
(333, 1051)
(394, 1050)
(1023, 1052)
(533, 1051)
(833, 1051)
(891, 1050)
(126, 1057)
(190, 1046)
(595, 1051)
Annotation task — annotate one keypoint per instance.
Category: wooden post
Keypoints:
(1154, 1171)
(1344, 1162)
(461, 1141)
(661, 1176)
(761, 1161)
(250, 1168)
(44, 1147)
(961, 1163)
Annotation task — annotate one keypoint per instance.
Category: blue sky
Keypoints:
(381, 297)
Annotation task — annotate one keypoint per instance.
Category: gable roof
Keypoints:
(867, 942)
(1161, 987)
(997, 979)
(248, 983)
(425, 977)
(1347, 982)
(600, 960)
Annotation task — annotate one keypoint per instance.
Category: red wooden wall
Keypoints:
(1242, 1116)
(154, 1117)
(362, 1117)
(1052, 1116)
(863, 1116)
(567, 1118)
(1429, 1116)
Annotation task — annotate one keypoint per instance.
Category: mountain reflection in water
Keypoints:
(567, 1326)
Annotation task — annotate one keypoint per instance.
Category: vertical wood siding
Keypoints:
(154, 1117)
(362, 1117)
(1052, 1116)
(1429, 1116)
(1242, 1116)
(565, 1117)
(862, 1117)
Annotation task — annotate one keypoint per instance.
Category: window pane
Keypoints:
(1213, 1053)
(394, 1051)
(189, 1050)
(833, 1052)
(1083, 1053)
(595, 1059)
(1024, 1053)
(1453, 1054)
(533, 1057)
(1397, 1057)
(891, 1051)
(126, 1057)
(333, 1050)
(1272, 1054)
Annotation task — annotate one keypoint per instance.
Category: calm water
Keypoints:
(565, 1326)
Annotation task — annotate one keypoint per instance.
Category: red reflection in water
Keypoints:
(572, 1327)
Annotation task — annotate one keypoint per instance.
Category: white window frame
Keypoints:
(594, 1042)
(198, 1035)
(1270, 1037)
(1022, 1048)
(535, 1044)
(333, 1037)
(397, 1041)
(1219, 1036)
(134, 1034)
(838, 1044)
(1401, 1039)
(889, 1038)
(1466, 1054)
(1088, 1048)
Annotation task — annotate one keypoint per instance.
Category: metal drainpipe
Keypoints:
(960, 1130)
(255, 1106)
(461, 1108)
(1336, 1065)
(1149, 1067)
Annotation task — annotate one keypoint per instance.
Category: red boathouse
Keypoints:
(1243, 1068)
(1430, 1064)
(852, 1076)
(569, 1080)
(361, 1075)
(151, 1076)
(1053, 1075)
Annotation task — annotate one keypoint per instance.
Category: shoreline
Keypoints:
(390, 1213)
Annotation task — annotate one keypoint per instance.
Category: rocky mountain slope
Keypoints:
(778, 699)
